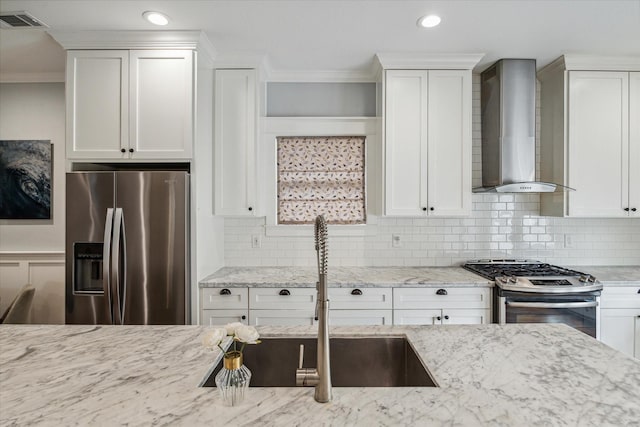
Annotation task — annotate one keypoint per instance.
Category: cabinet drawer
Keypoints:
(360, 317)
(620, 297)
(222, 317)
(360, 298)
(282, 298)
(439, 298)
(282, 317)
(225, 298)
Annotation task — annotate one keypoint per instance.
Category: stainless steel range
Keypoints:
(534, 292)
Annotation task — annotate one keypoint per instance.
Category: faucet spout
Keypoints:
(321, 376)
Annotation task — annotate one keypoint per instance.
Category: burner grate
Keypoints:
(493, 270)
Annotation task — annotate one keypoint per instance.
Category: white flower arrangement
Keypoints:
(240, 333)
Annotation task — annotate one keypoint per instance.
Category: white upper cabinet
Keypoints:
(129, 104)
(161, 107)
(235, 127)
(427, 142)
(590, 139)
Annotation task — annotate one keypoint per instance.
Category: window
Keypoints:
(321, 175)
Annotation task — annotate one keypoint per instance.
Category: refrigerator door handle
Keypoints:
(106, 263)
(119, 277)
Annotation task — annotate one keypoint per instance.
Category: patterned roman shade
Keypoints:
(321, 175)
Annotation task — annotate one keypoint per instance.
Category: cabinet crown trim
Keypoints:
(444, 61)
(576, 62)
(135, 40)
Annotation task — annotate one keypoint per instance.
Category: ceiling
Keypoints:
(337, 35)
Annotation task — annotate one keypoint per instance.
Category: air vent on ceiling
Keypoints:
(19, 20)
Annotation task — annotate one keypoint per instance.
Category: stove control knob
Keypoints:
(513, 279)
(583, 279)
(591, 279)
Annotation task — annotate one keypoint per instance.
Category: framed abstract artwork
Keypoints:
(25, 179)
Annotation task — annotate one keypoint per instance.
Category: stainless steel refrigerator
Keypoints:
(127, 248)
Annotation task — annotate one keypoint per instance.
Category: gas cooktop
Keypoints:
(533, 276)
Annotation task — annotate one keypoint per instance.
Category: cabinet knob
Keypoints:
(424, 209)
(633, 209)
(441, 292)
(639, 291)
(122, 150)
(225, 291)
(439, 318)
(356, 292)
(244, 317)
(250, 208)
(432, 208)
(131, 150)
(446, 317)
(284, 292)
(626, 209)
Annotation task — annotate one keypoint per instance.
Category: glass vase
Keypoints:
(233, 379)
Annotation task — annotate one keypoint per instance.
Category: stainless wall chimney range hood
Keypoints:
(509, 129)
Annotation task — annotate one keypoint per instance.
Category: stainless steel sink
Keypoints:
(355, 362)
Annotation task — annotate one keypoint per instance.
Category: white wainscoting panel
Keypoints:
(45, 272)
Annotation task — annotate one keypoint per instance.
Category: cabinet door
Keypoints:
(405, 142)
(360, 317)
(466, 317)
(634, 144)
(619, 329)
(222, 317)
(449, 143)
(235, 142)
(97, 92)
(417, 317)
(598, 143)
(282, 317)
(161, 112)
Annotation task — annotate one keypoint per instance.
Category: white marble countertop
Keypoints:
(509, 375)
(344, 276)
(613, 275)
(388, 276)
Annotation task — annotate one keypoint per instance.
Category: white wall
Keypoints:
(33, 251)
(500, 226)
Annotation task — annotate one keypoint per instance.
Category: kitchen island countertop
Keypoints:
(509, 375)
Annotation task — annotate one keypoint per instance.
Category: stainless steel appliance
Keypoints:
(509, 129)
(534, 292)
(127, 247)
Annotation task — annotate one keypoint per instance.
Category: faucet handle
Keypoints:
(301, 357)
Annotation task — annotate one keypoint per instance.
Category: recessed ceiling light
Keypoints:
(156, 18)
(429, 21)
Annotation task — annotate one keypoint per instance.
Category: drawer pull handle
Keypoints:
(441, 292)
(284, 292)
(243, 317)
(356, 292)
(639, 291)
(225, 291)
(446, 317)
(439, 318)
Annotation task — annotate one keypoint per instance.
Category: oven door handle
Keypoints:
(553, 304)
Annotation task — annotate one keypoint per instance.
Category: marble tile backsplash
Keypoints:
(500, 226)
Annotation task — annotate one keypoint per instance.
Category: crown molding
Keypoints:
(135, 40)
(430, 61)
(600, 62)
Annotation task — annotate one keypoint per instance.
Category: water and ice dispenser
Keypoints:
(87, 259)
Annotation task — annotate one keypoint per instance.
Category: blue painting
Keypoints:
(25, 179)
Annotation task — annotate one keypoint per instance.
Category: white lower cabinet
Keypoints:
(348, 306)
(222, 317)
(441, 306)
(620, 319)
(282, 317)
